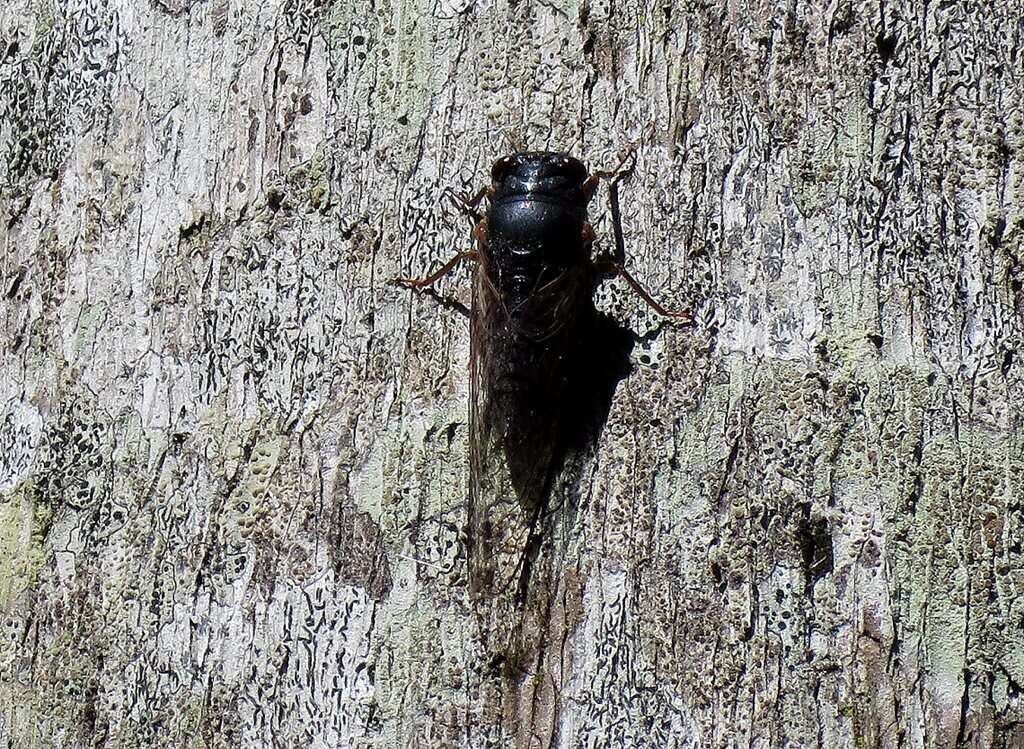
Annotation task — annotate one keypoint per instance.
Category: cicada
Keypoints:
(532, 296)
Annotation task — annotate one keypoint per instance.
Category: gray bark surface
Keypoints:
(233, 460)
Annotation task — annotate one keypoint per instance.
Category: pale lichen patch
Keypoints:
(24, 521)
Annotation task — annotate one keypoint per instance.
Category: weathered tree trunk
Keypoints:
(233, 460)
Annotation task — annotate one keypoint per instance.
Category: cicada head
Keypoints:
(540, 175)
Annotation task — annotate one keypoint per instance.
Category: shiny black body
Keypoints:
(532, 297)
(534, 228)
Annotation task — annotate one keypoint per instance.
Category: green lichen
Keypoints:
(24, 521)
(45, 17)
(308, 184)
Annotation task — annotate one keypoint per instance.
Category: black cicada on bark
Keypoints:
(532, 297)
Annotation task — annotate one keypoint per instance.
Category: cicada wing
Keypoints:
(519, 372)
(498, 525)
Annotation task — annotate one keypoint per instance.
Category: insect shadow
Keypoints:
(594, 370)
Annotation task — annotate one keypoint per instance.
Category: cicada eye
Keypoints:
(502, 167)
(573, 169)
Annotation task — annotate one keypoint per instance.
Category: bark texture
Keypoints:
(233, 461)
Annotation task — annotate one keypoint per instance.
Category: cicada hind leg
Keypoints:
(611, 269)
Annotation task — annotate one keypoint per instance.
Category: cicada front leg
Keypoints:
(468, 205)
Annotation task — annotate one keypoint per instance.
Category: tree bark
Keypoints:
(234, 460)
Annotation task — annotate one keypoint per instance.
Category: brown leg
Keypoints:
(588, 234)
(419, 283)
(590, 186)
(480, 233)
(468, 205)
(613, 268)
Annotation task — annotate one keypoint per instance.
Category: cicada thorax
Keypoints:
(532, 294)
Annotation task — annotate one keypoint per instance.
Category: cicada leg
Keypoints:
(616, 174)
(479, 234)
(468, 205)
(419, 283)
(612, 268)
